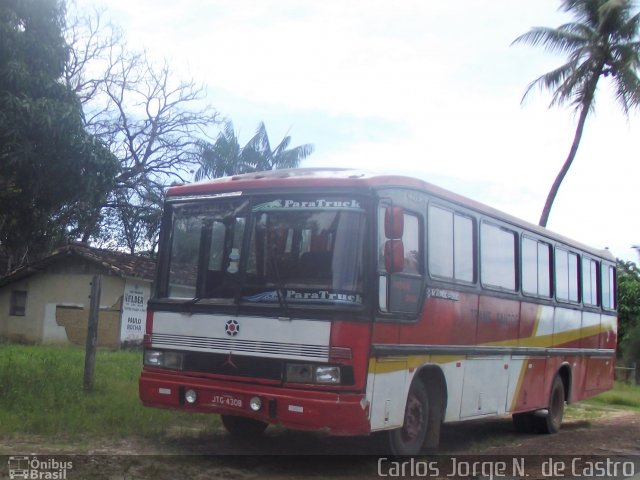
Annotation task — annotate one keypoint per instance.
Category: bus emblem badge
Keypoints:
(232, 327)
(229, 361)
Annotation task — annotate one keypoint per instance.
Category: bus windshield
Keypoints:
(285, 251)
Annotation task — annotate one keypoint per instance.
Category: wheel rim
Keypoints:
(414, 419)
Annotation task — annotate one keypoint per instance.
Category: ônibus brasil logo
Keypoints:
(232, 327)
(28, 467)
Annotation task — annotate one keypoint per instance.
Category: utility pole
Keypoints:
(92, 333)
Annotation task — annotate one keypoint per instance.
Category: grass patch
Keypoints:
(41, 393)
(622, 395)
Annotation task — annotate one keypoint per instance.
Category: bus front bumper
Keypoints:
(334, 413)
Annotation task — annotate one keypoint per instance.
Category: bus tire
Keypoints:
(242, 427)
(523, 422)
(551, 421)
(409, 439)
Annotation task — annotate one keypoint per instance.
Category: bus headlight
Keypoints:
(326, 374)
(190, 396)
(255, 404)
(153, 358)
(163, 359)
(305, 373)
(297, 373)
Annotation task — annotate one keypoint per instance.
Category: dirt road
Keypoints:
(284, 454)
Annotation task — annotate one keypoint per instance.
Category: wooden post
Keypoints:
(92, 333)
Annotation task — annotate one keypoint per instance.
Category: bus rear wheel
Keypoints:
(409, 439)
(552, 420)
(242, 427)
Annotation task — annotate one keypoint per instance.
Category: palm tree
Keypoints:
(280, 157)
(222, 158)
(226, 157)
(603, 41)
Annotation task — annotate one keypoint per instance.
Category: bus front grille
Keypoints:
(241, 347)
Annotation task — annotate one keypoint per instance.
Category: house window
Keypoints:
(18, 303)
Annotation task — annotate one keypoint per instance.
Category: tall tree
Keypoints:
(226, 157)
(628, 285)
(131, 220)
(603, 41)
(151, 121)
(52, 172)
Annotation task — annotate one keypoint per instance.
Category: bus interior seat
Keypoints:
(316, 264)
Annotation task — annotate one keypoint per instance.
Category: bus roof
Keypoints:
(343, 177)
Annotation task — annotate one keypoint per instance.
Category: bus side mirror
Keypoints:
(393, 222)
(394, 256)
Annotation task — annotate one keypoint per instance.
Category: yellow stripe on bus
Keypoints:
(401, 362)
(551, 339)
(392, 364)
(516, 393)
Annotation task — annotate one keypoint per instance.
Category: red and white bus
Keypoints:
(334, 300)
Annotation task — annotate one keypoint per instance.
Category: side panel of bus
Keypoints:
(480, 381)
(497, 351)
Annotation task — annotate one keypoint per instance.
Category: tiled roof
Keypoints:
(117, 263)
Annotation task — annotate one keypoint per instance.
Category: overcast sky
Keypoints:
(427, 88)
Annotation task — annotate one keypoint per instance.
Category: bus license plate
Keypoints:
(226, 400)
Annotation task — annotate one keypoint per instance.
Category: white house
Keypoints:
(48, 301)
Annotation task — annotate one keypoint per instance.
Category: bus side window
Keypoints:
(589, 281)
(566, 276)
(498, 257)
(536, 267)
(608, 287)
(451, 245)
(411, 241)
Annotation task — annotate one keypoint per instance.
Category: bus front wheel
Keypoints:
(409, 439)
(242, 427)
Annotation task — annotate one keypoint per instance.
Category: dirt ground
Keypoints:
(282, 454)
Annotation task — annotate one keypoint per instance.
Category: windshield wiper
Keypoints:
(280, 292)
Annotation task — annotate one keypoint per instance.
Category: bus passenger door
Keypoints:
(401, 285)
